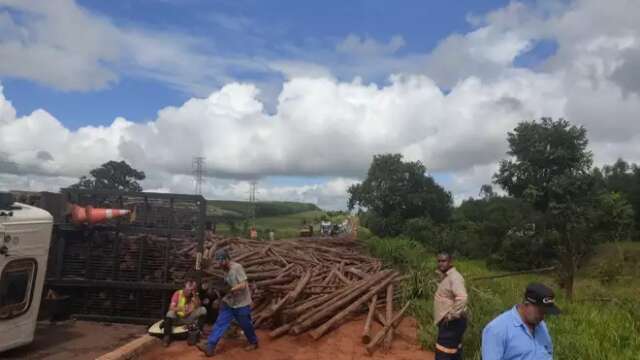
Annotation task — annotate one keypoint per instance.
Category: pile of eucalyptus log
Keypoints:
(314, 285)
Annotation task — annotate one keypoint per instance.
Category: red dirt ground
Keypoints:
(343, 343)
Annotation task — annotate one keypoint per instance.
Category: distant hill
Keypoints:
(242, 209)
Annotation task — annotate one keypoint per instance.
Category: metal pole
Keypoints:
(198, 171)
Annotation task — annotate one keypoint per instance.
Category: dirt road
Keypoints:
(78, 340)
(343, 343)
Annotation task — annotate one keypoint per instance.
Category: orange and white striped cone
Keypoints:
(91, 215)
(96, 215)
(78, 214)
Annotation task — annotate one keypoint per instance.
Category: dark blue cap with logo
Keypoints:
(541, 295)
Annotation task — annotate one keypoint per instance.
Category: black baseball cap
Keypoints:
(221, 255)
(541, 295)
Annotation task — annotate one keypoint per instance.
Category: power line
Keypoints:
(198, 173)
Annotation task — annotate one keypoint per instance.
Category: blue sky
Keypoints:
(302, 94)
(247, 29)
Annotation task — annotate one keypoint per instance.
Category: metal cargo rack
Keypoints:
(123, 271)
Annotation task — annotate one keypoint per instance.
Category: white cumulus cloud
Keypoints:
(322, 125)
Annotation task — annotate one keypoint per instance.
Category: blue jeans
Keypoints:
(225, 315)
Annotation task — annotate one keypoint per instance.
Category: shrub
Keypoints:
(604, 326)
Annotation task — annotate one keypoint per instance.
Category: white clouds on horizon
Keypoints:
(62, 45)
(325, 126)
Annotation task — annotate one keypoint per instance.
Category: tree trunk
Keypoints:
(569, 286)
(569, 262)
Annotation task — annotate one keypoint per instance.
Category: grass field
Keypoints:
(285, 226)
(242, 209)
(283, 218)
(602, 323)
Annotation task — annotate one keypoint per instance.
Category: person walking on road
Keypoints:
(521, 333)
(450, 310)
(236, 304)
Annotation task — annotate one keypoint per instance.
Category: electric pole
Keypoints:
(198, 170)
(252, 203)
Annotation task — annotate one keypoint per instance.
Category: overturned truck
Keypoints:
(125, 269)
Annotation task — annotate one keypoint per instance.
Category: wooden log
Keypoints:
(283, 260)
(312, 303)
(359, 273)
(245, 256)
(328, 279)
(282, 330)
(248, 264)
(366, 333)
(383, 332)
(293, 295)
(276, 281)
(263, 275)
(342, 277)
(309, 320)
(389, 337)
(381, 319)
(516, 273)
(317, 333)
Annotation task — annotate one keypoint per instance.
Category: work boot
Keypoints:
(195, 331)
(193, 336)
(208, 351)
(166, 340)
(200, 322)
(251, 347)
(168, 330)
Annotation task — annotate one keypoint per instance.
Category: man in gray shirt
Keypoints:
(236, 304)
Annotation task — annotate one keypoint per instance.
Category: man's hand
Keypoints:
(239, 287)
(195, 301)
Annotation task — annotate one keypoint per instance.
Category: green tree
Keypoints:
(395, 191)
(551, 169)
(624, 179)
(112, 175)
(614, 216)
(495, 218)
(486, 191)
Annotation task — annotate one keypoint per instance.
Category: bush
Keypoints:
(585, 331)
(609, 271)
(380, 226)
(399, 252)
(424, 231)
(364, 233)
(522, 251)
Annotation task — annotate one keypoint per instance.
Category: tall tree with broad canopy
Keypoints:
(551, 169)
(112, 175)
(395, 191)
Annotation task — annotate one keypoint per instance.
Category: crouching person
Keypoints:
(236, 304)
(185, 309)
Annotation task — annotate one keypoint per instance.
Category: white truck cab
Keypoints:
(25, 235)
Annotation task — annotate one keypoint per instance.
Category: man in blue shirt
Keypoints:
(521, 333)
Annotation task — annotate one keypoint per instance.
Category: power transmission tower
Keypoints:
(198, 170)
(252, 203)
